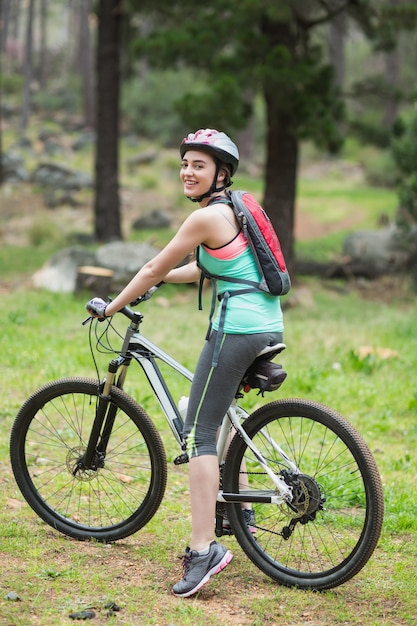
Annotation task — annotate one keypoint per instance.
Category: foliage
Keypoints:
(247, 49)
(404, 151)
(149, 104)
(379, 168)
(11, 84)
(239, 51)
(62, 99)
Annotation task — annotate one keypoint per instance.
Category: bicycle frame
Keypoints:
(136, 346)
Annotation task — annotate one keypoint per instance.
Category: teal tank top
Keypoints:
(254, 312)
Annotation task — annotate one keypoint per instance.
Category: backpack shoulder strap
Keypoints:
(220, 200)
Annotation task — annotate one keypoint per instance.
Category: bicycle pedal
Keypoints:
(223, 531)
(181, 459)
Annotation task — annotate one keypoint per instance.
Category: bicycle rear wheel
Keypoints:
(332, 525)
(50, 435)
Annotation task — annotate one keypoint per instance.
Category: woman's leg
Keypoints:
(204, 487)
(212, 392)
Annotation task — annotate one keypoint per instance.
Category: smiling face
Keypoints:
(197, 173)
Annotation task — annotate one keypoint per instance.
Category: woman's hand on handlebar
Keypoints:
(97, 308)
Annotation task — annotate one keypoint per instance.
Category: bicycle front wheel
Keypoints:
(48, 439)
(329, 529)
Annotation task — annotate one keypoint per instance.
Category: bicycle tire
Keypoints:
(50, 433)
(340, 503)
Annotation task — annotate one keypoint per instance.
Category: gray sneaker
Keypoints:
(199, 569)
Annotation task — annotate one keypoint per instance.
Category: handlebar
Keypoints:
(127, 311)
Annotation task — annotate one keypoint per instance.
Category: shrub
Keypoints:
(148, 105)
(404, 152)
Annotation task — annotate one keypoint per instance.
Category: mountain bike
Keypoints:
(91, 463)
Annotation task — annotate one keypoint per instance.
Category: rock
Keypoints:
(24, 143)
(125, 259)
(154, 219)
(13, 168)
(83, 140)
(142, 158)
(59, 274)
(12, 597)
(383, 250)
(59, 183)
(83, 615)
(52, 147)
(61, 177)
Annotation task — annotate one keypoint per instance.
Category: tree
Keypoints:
(381, 93)
(404, 151)
(107, 201)
(4, 9)
(43, 72)
(268, 47)
(337, 38)
(28, 68)
(85, 64)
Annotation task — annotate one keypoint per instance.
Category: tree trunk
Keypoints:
(15, 13)
(4, 23)
(28, 69)
(85, 64)
(3, 29)
(392, 74)
(281, 175)
(281, 144)
(107, 202)
(43, 56)
(337, 33)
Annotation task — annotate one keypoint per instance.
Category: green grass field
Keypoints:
(352, 346)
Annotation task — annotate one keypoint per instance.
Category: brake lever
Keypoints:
(146, 295)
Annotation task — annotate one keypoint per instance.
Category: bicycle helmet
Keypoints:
(216, 143)
(220, 146)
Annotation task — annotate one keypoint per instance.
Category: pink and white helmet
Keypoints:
(214, 142)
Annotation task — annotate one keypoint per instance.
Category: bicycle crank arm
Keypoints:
(251, 496)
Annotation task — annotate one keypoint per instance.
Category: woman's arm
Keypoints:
(197, 228)
(188, 273)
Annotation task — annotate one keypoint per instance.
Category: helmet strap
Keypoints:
(213, 189)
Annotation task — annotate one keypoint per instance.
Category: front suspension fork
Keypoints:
(105, 414)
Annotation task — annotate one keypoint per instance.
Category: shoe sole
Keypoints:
(216, 569)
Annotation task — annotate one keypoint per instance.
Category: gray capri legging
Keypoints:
(214, 388)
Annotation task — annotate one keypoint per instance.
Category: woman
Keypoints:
(252, 322)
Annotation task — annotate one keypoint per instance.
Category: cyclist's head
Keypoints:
(221, 148)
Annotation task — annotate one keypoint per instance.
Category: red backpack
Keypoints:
(263, 241)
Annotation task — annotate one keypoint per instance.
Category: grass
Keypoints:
(55, 576)
(328, 327)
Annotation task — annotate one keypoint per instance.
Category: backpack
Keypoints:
(264, 243)
(266, 249)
